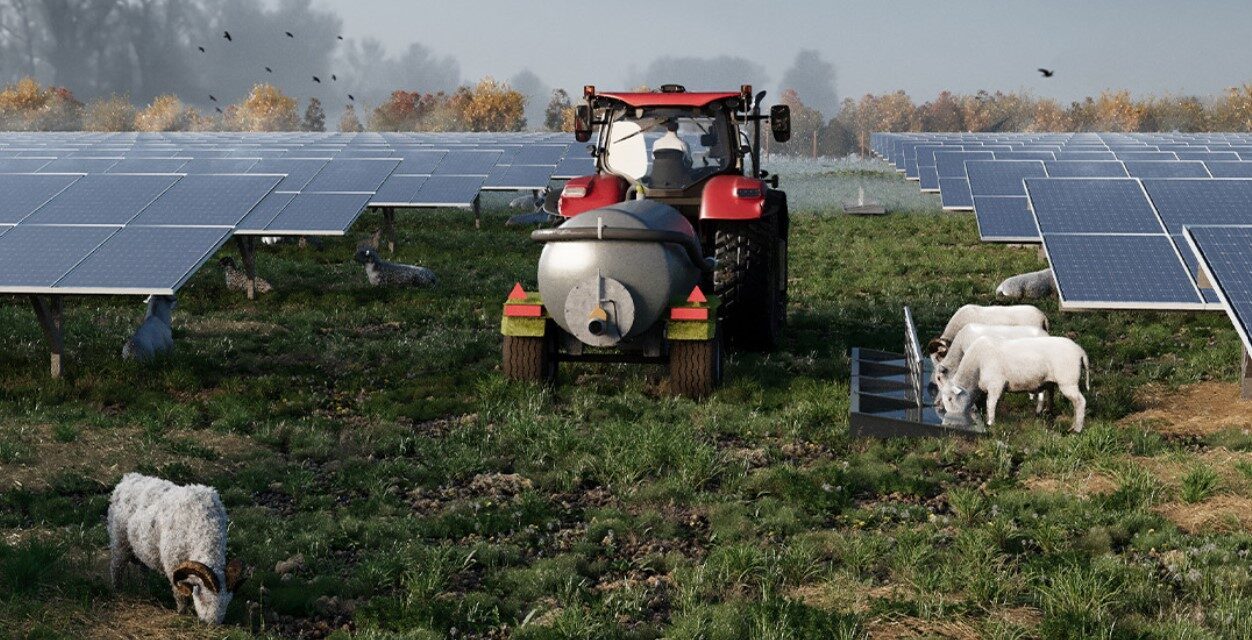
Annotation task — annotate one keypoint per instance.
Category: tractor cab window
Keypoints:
(667, 148)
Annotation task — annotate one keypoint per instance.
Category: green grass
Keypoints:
(371, 432)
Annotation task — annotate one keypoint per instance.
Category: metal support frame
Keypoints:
(51, 320)
(478, 209)
(247, 252)
(389, 228)
(1245, 377)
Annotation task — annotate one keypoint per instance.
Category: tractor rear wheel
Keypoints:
(751, 279)
(695, 367)
(529, 359)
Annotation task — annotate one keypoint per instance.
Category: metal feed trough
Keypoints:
(890, 398)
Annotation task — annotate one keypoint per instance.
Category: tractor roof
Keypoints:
(651, 99)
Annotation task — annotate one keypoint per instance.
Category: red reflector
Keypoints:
(689, 313)
(523, 310)
(697, 295)
(518, 293)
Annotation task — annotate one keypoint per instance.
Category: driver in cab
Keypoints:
(671, 142)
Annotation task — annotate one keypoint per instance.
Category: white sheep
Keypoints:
(1022, 315)
(154, 337)
(992, 366)
(179, 531)
(1035, 285)
(950, 355)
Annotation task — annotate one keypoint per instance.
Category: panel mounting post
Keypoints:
(247, 251)
(1245, 377)
(50, 317)
(389, 228)
(477, 206)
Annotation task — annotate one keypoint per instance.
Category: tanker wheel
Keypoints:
(695, 367)
(529, 359)
(751, 279)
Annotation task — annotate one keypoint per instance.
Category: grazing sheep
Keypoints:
(992, 366)
(950, 355)
(1022, 315)
(382, 273)
(179, 531)
(237, 280)
(154, 337)
(1035, 285)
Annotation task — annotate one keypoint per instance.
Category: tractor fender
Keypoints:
(591, 192)
(733, 198)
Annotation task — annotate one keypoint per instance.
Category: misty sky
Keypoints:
(1197, 47)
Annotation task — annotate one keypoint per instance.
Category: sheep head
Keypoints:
(938, 348)
(197, 581)
(366, 255)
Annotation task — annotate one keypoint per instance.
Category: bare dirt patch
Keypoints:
(1170, 469)
(1219, 514)
(910, 627)
(1082, 485)
(1192, 411)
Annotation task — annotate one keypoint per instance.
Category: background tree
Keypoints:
(554, 117)
(314, 117)
(1233, 111)
(114, 113)
(349, 122)
(720, 73)
(536, 92)
(265, 109)
(491, 106)
(164, 113)
(813, 79)
(29, 106)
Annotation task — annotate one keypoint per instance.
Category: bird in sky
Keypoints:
(352, 97)
(219, 109)
(1047, 73)
(341, 37)
(334, 77)
(269, 70)
(317, 80)
(213, 98)
(290, 34)
(201, 49)
(226, 34)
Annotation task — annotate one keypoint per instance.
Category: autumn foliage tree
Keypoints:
(114, 113)
(29, 106)
(265, 109)
(349, 122)
(560, 112)
(314, 117)
(165, 113)
(492, 106)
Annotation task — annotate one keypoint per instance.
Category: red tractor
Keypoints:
(676, 244)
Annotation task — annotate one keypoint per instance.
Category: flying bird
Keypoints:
(341, 37)
(317, 80)
(269, 70)
(290, 34)
(213, 98)
(352, 97)
(1047, 73)
(219, 109)
(226, 34)
(334, 77)
(201, 49)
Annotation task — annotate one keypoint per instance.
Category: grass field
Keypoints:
(386, 482)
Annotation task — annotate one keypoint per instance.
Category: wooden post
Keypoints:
(1245, 380)
(247, 251)
(477, 206)
(389, 228)
(814, 144)
(51, 320)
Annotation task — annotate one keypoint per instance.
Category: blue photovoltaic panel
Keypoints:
(1193, 267)
(1025, 155)
(265, 212)
(1167, 169)
(954, 194)
(951, 164)
(1208, 156)
(449, 191)
(148, 165)
(201, 165)
(34, 257)
(79, 165)
(352, 175)
(299, 171)
(398, 190)
(207, 200)
(1085, 155)
(577, 167)
(468, 163)
(145, 260)
(1001, 177)
(1146, 156)
(1230, 169)
(1085, 169)
(928, 178)
(31, 165)
(22, 194)
(319, 214)
(420, 162)
(539, 154)
(1227, 256)
(1080, 205)
(519, 177)
(102, 199)
(1106, 271)
(926, 154)
(1201, 202)
(1005, 219)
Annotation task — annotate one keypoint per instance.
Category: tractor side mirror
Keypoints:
(780, 122)
(582, 123)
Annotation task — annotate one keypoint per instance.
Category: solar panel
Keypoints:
(108, 199)
(23, 165)
(420, 162)
(22, 194)
(35, 257)
(208, 200)
(1005, 219)
(147, 165)
(352, 175)
(145, 260)
(468, 163)
(265, 211)
(1025, 155)
(1085, 169)
(1167, 169)
(1146, 156)
(1085, 205)
(519, 177)
(574, 167)
(201, 165)
(1120, 271)
(79, 165)
(539, 154)
(951, 164)
(1230, 169)
(299, 171)
(319, 214)
(1226, 256)
(1201, 202)
(398, 191)
(1001, 177)
(1208, 156)
(449, 191)
(1085, 155)
(954, 194)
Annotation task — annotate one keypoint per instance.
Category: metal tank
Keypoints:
(608, 275)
